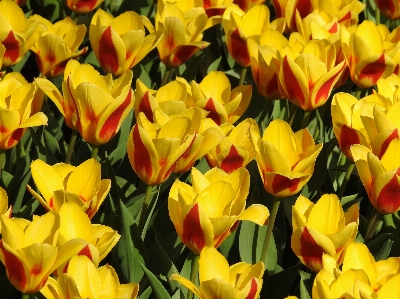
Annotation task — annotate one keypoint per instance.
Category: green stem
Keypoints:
(95, 150)
(167, 76)
(143, 213)
(71, 145)
(242, 76)
(372, 225)
(346, 179)
(271, 222)
(358, 93)
(20, 152)
(306, 119)
(292, 113)
(24, 296)
(377, 16)
(193, 273)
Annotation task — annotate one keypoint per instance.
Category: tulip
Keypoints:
(216, 8)
(380, 176)
(389, 8)
(120, 43)
(307, 78)
(364, 53)
(236, 149)
(287, 9)
(153, 149)
(28, 250)
(84, 280)
(19, 102)
(57, 45)
(219, 280)
(21, 2)
(239, 26)
(360, 277)
(389, 87)
(285, 159)
(83, 6)
(322, 228)
(214, 94)
(63, 182)
(17, 34)
(207, 212)
(4, 205)
(246, 5)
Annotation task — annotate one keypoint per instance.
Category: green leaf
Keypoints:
(214, 65)
(305, 285)
(146, 293)
(380, 246)
(158, 289)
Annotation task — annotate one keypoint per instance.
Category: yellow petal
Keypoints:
(256, 213)
(212, 264)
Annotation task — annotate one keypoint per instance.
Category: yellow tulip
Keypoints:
(83, 6)
(29, 250)
(219, 280)
(287, 9)
(4, 205)
(84, 280)
(285, 159)
(207, 212)
(246, 5)
(380, 176)
(66, 183)
(120, 43)
(322, 228)
(57, 45)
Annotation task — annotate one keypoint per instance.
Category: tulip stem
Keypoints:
(358, 93)
(242, 76)
(292, 114)
(346, 179)
(372, 225)
(25, 296)
(193, 273)
(306, 119)
(377, 16)
(167, 76)
(71, 145)
(143, 213)
(95, 150)
(271, 222)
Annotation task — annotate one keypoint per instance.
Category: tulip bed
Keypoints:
(204, 149)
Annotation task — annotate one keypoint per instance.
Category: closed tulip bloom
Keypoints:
(219, 280)
(154, 149)
(322, 228)
(389, 8)
(83, 183)
(83, 6)
(17, 34)
(364, 52)
(307, 78)
(380, 177)
(207, 212)
(120, 43)
(57, 45)
(214, 94)
(29, 250)
(216, 8)
(285, 159)
(84, 280)
(287, 9)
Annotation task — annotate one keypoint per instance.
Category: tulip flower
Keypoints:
(380, 176)
(246, 5)
(214, 94)
(21, 2)
(207, 212)
(389, 8)
(307, 78)
(66, 183)
(28, 250)
(360, 277)
(17, 34)
(364, 53)
(83, 6)
(153, 149)
(285, 159)
(287, 9)
(216, 8)
(236, 149)
(322, 228)
(57, 45)
(239, 26)
(219, 280)
(389, 87)
(84, 280)
(4, 205)
(120, 43)
(19, 101)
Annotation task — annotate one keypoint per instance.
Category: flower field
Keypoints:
(212, 149)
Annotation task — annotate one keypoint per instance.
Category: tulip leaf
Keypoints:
(306, 281)
(380, 246)
(51, 143)
(392, 225)
(214, 65)
(158, 289)
(146, 293)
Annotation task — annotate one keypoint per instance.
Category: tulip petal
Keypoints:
(187, 283)
(111, 51)
(256, 213)
(236, 42)
(85, 275)
(358, 257)
(74, 223)
(218, 269)
(390, 289)
(216, 288)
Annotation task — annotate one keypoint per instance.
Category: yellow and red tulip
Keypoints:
(154, 149)
(216, 8)
(214, 95)
(380, 176)
(363, 49)
(219, 280)
(18, 34)
(21, 2)
(207, 212)
(83, 6)
(307, 78)
(120, 43)
(29, 250)
(84, 280)
(322, 228)
(285, 159)
(389, 8)
(246, 5)
(57, 45)
(63, 182)
(287, 9)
